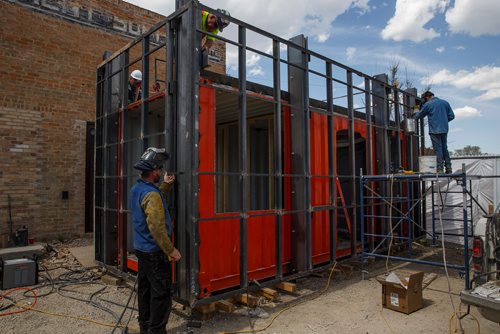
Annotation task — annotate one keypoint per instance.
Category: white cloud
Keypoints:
(466, 112)
(460, 47)
(483, 79)
(440, 49)
(362, 6)
(253, 59)
(474, 17)
(256, 71)
(350, 53)
(323, 37)
(410, 18)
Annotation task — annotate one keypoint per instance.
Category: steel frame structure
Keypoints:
(178, 37)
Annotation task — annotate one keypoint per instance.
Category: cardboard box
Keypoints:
(402, 291)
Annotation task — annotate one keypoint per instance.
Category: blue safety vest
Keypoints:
(143, 240)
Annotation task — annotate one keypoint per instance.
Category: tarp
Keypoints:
(448, 197)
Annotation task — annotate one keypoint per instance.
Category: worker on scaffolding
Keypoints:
(213, 24)
(439, 114)
(134, 86)
(152, 241)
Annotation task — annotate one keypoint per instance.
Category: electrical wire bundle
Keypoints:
(67, 284)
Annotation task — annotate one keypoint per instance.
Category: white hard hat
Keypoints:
(136, 74)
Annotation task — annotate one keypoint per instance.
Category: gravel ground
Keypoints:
(349, 305)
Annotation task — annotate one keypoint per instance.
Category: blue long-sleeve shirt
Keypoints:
(439, 114)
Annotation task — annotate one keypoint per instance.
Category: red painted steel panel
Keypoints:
(320, 192)
(219, 250)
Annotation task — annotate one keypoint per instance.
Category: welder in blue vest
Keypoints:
(439, 113)
(152, 241)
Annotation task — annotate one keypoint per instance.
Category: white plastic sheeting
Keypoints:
(486, 191)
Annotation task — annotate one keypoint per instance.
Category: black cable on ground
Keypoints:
(72, 276)
(119, 304)
(125, 308)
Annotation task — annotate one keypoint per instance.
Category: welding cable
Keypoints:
(390, 243)
(125, 308)
(90, 298)
(286, 308)
(455, 329)
(444, 254)
(73, 277)
(50, 283)
(385, 320)
(23, 308)
(132, 309)
(63, 278)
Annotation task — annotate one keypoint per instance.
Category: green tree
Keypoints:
(469, 150)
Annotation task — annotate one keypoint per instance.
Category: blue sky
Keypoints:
(453, 45)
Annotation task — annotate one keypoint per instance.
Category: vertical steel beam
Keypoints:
(408, 211)
(421, 134)
(242, 55)
(397, 118)
(466, 228)
(124, 59)
(362, 218)
(99, 236)
(381, 119)
(331, 163)
(299, 123)
(381, 138)
(110, 227)
(433, 198)
(369, 154)
(307, 167)
(278, 164)
(170, 98)
(187, 71)
(352, 162)
(145, 92)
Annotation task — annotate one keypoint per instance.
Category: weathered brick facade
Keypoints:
(49, 52)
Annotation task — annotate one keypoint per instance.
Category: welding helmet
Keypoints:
(221, 22)
(152, 159)
(137, 75)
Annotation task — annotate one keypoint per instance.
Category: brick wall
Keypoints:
(49, 51)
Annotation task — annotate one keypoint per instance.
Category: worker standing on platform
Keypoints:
(213, 24)
(134, 86)
(439, 113)
(152, 241)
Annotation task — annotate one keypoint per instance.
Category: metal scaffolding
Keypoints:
(400, 225)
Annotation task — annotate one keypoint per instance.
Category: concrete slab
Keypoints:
(21, 252)
(85, 255)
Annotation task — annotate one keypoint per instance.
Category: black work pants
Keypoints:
(154, 281)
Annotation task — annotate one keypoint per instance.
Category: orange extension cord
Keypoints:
(24, 309)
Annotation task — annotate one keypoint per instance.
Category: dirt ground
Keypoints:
(349, 305)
